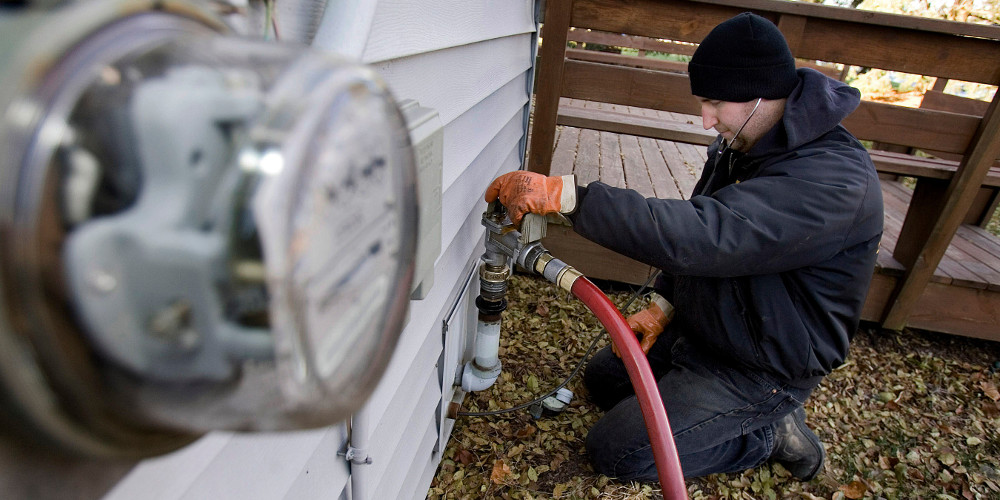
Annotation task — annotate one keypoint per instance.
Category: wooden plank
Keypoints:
(957, 310)
(982, 262)
(694, 157)
(879, 292)
(983, 207)
(627, 60)
(899, 49)
(928, 197)
(565, 153)
(549, 85)
(959, 197)
(632, 124)
(633, 41)
(875, 121)
(662, 182)
(593, 260)
(659, 18)
(588, 157)
(886, 41)
(983, 239)
(965, 270)
(943, 308)
(957, 267)
(793, 27)
(930, 168)
(682, 173)
(629, 86)
(896, 207)
(940, 101)
(611, 172)
(891, 201)
(865, 17)
(618, 108)
(646, 112)
(912, 127)
(637, 175)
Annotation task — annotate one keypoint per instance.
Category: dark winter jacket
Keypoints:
(771, 261)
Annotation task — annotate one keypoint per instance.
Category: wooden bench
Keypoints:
(643, 45)
(955, 299)
(947, 191)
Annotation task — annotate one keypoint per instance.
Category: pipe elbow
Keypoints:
(476, 378)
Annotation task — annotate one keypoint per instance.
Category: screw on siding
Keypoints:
(173, 324)
(103, 282)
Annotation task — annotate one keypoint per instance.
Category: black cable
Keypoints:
(572, 374)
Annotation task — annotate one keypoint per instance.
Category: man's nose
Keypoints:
(708, 119)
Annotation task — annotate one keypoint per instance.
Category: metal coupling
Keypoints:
(493, 281)
(557, 271)
(529, 255)
(494, 274)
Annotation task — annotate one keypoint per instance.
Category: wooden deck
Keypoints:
(963, 296)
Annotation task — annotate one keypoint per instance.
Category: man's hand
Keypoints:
(650, 322)
(525, 192)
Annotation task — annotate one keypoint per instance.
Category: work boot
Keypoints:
(796, 447)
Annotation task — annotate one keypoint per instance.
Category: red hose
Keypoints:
(668, 465)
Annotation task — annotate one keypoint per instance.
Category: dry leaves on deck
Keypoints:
(911, 415)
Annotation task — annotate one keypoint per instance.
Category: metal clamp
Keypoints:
(356, 456)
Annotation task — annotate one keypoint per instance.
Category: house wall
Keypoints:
(471, 61)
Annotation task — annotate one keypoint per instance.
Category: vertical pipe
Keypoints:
(480, 373)
(359, 444)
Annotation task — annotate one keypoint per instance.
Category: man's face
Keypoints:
(727, 118)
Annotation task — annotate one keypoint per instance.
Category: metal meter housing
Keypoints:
(198, 231)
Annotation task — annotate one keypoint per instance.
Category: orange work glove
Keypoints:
(525, 192)
(650, 322)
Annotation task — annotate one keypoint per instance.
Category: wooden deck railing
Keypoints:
(945, 49)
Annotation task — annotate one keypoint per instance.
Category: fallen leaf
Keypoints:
(526, 432)
(854, 490)
(966, 492)
(542, 309)
(558, 490)
(990, 390)
(501, 471)
(465, 457)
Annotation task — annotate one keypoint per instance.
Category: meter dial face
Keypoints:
(336, 219)
(199, 232)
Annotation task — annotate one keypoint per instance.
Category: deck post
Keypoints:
(549, 87)
(961, 193)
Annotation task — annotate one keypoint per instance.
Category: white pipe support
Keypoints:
(480, 373)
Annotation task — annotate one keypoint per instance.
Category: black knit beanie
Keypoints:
(741, 59)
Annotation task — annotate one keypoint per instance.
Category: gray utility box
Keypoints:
(427, 136)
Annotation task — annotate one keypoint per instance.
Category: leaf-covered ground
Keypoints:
(910, 415)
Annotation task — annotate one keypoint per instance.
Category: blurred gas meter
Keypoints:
(197, 231)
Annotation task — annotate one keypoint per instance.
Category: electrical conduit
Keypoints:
(668, 465)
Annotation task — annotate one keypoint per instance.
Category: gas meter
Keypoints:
(197, 231)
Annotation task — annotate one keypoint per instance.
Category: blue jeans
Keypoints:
(722, 416)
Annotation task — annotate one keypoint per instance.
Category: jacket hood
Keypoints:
(816, 105)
